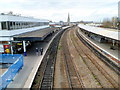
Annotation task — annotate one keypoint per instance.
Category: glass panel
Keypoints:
(8, 25)
(3, 24)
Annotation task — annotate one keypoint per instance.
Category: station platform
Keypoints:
(4, 68)
(32, 62)
(2, 71)
(109, 33)
(104, 47)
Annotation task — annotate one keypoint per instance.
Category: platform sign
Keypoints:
(19, 43)
(7, 48)
(1, 48)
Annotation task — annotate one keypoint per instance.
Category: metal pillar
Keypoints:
(24, 48)
(113, 41)
(11, 47)
(7, 25)
(113, 45)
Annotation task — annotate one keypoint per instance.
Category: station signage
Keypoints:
(19, 43)
(6, 48)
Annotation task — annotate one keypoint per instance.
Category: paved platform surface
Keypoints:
(29, 63)
(2, 71)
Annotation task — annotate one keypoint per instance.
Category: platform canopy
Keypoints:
(37, 35)
(109, 33)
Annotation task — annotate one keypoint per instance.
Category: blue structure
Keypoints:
(16, 61)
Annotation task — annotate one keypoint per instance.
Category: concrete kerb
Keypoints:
(31, 77)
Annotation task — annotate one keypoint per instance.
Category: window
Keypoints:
(14, 23)
(4, 26)
(8, 25)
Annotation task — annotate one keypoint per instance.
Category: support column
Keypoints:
(113, 45)
(15, 25)
(24, 48)
(113, 41)
(11, 47)
(0, 25)
(7, 25)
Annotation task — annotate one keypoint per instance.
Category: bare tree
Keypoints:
(107, 23)
(114, 22)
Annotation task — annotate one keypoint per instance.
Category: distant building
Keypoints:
(68, 19)
(61, 23)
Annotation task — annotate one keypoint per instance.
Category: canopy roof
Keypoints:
(109, 33)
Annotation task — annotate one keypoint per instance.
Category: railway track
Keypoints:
(100, 68)
(45, 75)
(47, 80)
(74, 78)
(112, 65)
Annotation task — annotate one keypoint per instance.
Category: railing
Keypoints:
(8, 76)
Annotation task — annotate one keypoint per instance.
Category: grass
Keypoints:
(60, 46)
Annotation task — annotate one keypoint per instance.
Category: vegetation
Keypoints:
(110, 23)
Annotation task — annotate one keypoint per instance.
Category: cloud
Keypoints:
(58, 9)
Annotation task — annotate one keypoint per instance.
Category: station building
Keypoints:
(13, 25)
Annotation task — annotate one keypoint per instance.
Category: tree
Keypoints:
(107, 23)
(114, 21)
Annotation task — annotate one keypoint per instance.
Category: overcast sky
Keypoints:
(56, 10)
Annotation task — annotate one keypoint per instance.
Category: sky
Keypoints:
(57, 10)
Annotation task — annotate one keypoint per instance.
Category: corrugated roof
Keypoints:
(110, 33)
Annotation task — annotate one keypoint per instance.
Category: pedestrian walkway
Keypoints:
(29, 63)
(2, 71)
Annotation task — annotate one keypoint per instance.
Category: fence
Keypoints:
(17, 63)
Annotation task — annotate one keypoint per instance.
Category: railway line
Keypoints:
(83, 68)
(73, 76)
(96, 64)
(99, 53)
(72, 64)
(45, 75)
